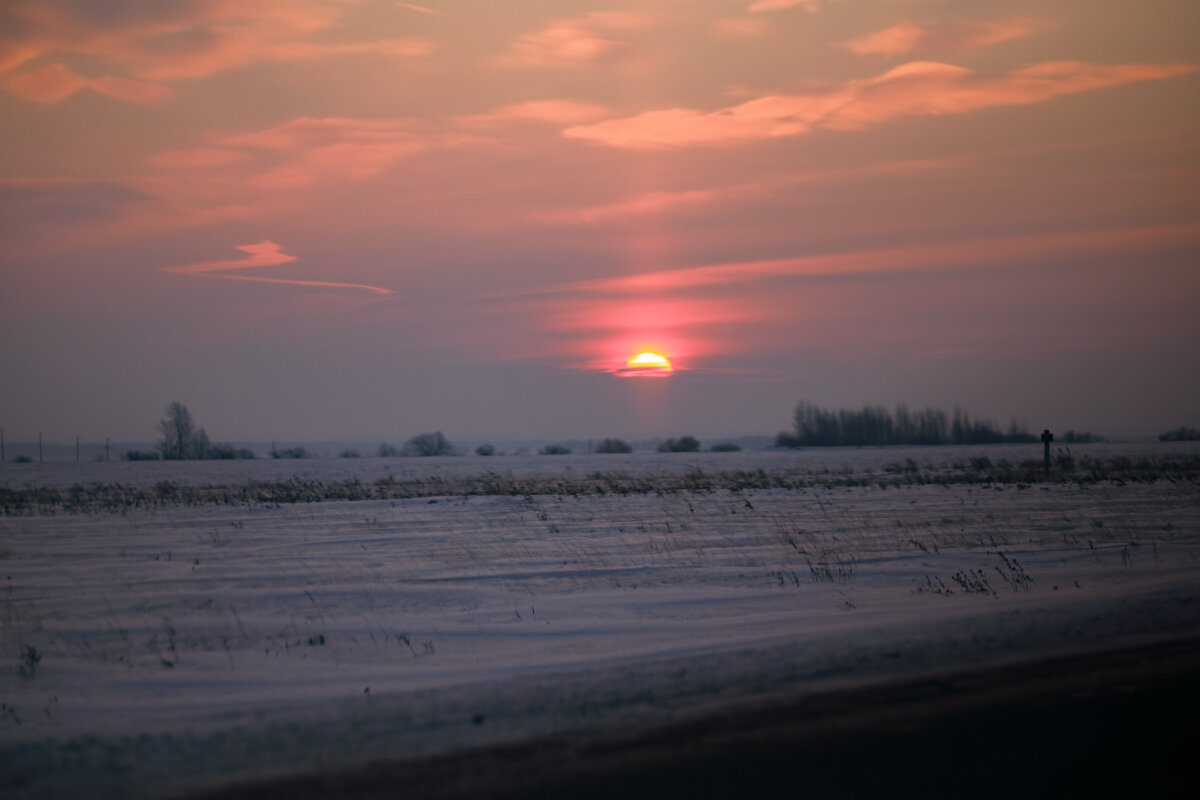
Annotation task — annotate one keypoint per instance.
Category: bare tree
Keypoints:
(178, 432)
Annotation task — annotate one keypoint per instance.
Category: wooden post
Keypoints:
(1047, 438)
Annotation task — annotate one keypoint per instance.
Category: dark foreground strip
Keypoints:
(1107, 724)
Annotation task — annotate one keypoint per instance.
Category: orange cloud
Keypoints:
(916, 88)
(264, 254)
(573, 42)
(909, 37)
(761, 6)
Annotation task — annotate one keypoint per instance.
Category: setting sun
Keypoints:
(650, 360)
(647, 365)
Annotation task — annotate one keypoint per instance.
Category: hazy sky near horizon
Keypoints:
(364, 219)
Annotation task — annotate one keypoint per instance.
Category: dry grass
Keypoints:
(119, 498)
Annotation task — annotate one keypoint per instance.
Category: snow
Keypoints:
(183, 646)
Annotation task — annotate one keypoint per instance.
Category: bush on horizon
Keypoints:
(485, 450)
(554, 450)
(428, 444)
(1180, 435)
(224, 451)
(614, 446)
(725, 447)
(684, 444)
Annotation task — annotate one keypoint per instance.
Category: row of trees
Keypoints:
(181, 438)
(875, 425)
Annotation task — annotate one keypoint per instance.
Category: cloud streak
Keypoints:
(264, 254)
(912, 89)
(763, 6)
(923, 257)
(910, 37)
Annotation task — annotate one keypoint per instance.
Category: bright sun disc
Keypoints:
(650, 360)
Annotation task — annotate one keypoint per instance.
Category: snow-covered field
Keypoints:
(179, 647)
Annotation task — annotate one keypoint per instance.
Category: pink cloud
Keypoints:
(196, 158)
(574, 42)
(916, 88)
(263, 254)
(420, 9)
(56, 82)
(656, 203)
(130, 90)
(909, 37)
(50, 84)
(660, 203)
(737, 27)
(554, 112)
(342, 161)
(171, 41)
(307, 132)
(332, 147)
(233, 48)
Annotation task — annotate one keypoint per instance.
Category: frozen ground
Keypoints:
(181, 647)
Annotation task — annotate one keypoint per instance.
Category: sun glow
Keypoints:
(647, 365)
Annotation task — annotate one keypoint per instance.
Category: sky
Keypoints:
(366, 219)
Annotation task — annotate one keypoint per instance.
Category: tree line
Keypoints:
(875, 425)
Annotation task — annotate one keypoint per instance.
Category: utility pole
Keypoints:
(77, 449)
(39, 447)
(106, 449)
(1047, 438)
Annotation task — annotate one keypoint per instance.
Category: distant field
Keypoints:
(196, 639)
